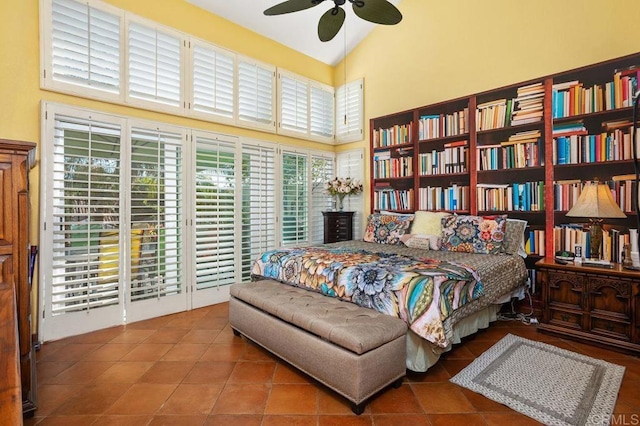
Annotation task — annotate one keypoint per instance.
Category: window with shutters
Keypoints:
(350, 112)
(156, 214)
(259, 195)
(294, 104)
(295, 198)
(256, 94)
(83, 47)
(306, 108)
(321, 111)
(85, 215)
(154, 64)
(351, 164)
(322, 170)
(212, 80)
(215, 216)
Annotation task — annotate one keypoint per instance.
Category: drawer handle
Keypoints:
(565, 317)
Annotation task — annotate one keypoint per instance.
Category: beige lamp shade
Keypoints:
(596, 201)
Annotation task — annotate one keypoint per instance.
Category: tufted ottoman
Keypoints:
(353, 350)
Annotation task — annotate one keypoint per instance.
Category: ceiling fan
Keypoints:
(376, 11)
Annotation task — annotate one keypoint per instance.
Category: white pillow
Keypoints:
(428, 223)
(422, 241)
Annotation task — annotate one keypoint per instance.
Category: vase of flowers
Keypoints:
(342, 187)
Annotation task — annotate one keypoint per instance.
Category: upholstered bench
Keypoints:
(353, 350)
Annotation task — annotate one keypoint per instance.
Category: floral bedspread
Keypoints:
(423, 292)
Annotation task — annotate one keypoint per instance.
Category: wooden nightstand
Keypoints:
(597, 305)
(338, 226)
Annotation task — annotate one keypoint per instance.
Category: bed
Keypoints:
(443, 295)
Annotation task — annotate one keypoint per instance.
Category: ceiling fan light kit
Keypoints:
(376, 11)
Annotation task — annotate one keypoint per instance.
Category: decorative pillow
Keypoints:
(473, 234)
(514, 237)
(421, 241)
(386, 229)
(429, 223)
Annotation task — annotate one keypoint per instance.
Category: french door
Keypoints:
(112, 225)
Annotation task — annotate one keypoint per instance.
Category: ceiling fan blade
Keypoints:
(291, 6)
(377, 11)
(330, 23)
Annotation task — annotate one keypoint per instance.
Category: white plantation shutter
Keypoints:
(85, 48)
(85, 197)
(321, 113)
(213, 80)
(351, 164)
(350, 112)
(215, 231)
(322, 170)
(295, 198)
(258, 204)
(154, 65)
(156, 214)
(294, 104)
(256, 93)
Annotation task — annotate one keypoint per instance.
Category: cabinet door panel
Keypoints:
(6, 197)
(565, 291)
(609, 328)
(610, 297)
(566, 319)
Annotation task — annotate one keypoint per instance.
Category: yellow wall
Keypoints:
(448, 49)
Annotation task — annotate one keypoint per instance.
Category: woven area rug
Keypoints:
(548, 384)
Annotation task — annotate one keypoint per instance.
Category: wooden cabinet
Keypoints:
(338, 226)
(14, 250)
(592, 304)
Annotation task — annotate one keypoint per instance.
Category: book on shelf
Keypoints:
(535, 242)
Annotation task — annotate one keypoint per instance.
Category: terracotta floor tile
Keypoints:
(435, 373)
(330, 402)
(185, 352)
(442, 397)
(242, 399)
(117, 420)
(131, 335)
(252, 372)
(200, 336)
(401, 400)
(481, 403)
(457, 420)
(50, 397)
(167, 372)
(352, 420)
(100, 336)
(508, 419)
(142, 398)
(286, 373)
(81, 372)
(401, 419)
(178, 420)
(210, 372)
(148, 352)
(48, 370)
(292, 399)
(257, 353)
(72, 352)
(191, 399)
(93, 399)
(167, 335)
(242, 382)
(224, 352)
(124, 372)
(82, 420)
(110, 352)
(289, 420)
(233, 420)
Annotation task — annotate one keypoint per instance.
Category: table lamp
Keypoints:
(596, 203)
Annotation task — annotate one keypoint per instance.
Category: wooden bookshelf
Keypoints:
(514, 123)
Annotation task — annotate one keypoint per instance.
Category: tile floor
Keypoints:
(189, 369)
